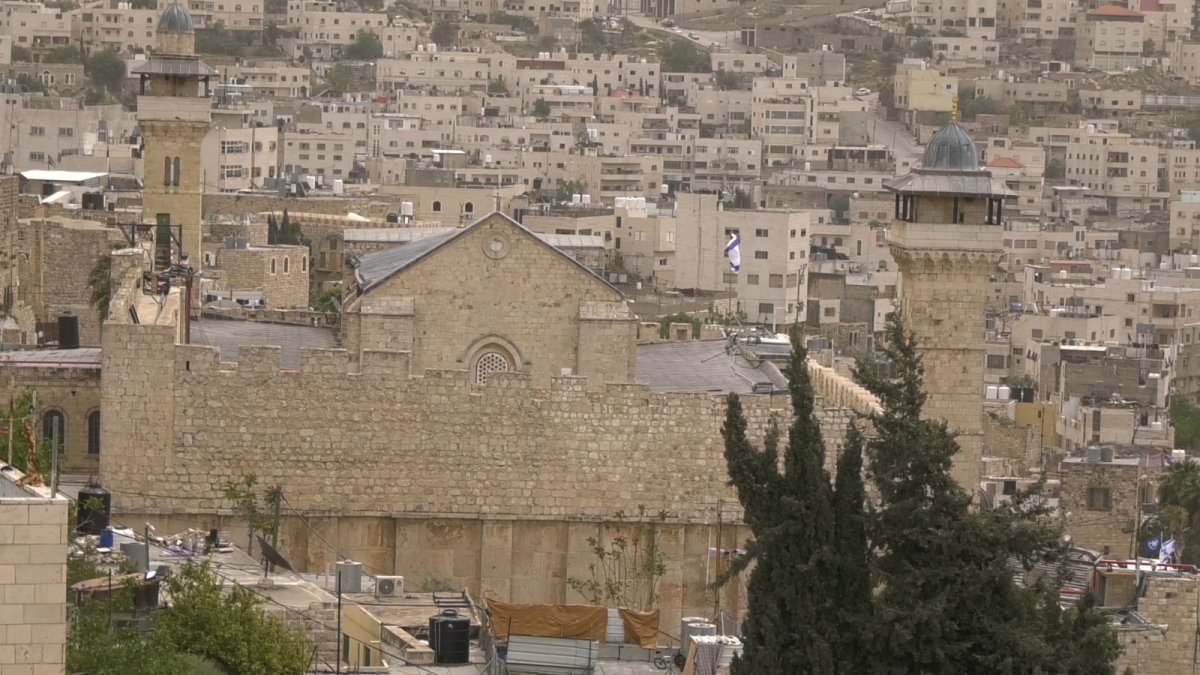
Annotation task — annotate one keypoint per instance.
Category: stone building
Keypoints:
(67, 385)
(33, 578)
(469, 445)
(174, 113)
(279, 272)
(946, 240)
(1101, 499)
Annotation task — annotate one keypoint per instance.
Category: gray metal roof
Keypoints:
(229, 336)
(702, 366)
(176, 20)
(951, 149)
(973, 184)
(161, 66)
(407, 235)
(375, 267)
(84, 357)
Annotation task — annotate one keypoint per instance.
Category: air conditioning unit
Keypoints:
(389, 587)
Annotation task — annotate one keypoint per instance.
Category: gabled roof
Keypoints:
(372, 269)
(1006, 163)
(1113, 10)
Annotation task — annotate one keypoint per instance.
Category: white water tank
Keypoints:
(487, 160)
(992, 392)
(576, 199)
(339, 186)
(1004, 393)
(586, 199)
(406, 209)
(664, 189)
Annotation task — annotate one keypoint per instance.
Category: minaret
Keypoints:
(946, 240)
(174, 114)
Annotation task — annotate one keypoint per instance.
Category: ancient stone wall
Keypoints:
(74, 392)
(280, 272)
(1168, 646)
(1093, 523)
(236, 205)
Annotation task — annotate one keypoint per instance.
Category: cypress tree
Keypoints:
(852, 558)
(272, 230)
(789, 510)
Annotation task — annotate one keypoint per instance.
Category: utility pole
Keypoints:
(275, 498)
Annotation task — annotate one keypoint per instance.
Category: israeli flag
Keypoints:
(734, 251)
(1166, 553)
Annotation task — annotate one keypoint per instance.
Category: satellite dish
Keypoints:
(273, 556)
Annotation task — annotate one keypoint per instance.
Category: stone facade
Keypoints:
(1167, 646)
(55, 259)
(72, 391)
(523, 300)
(33, 579)
(1099, 502)
(280, 272)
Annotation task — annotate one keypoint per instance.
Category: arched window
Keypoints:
(272, 266)
(93, 428)
(51, 420)
(468, 208)
(46, 77)
(287, 265)
(176, 174)
(488, 364)
(304, 264)
(166, 171)
(437, 207)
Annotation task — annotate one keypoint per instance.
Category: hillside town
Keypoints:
(418, 324)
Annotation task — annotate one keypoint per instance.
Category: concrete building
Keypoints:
(33, 576)
(946, 240)
(1109, 38)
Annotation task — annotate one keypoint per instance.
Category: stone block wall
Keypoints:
(1107, 530)
(75, 392)
(33, 579)
(234, 205)
(1168, 646)
(280, 272)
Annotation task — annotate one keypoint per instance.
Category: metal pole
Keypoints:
(146, 531)
(54, 438)
(338, 661)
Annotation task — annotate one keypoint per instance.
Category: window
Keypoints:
(287, 265)
(437, 207)
(1099, 498)
(766, 309)
(761, 233)
(37, 156)
(995, 361)
(760, 255)
(304, 264)
(66, 131)
(272, 266)
(489, 364)
(468, 208)
(752, 279)
(37, 131)
(93, 432)
(175, 172)
(54, 422)
(775, 280)
(830, 311)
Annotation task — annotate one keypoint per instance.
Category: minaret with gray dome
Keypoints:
(174, 115)
(946, 239)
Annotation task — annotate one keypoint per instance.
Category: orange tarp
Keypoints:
(580, 622)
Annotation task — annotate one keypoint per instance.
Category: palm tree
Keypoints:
(1179, 506)
(100, 281)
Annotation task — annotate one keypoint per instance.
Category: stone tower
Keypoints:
(946, 239)
(175, 114)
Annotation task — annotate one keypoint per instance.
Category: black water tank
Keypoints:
(95, 506)
(93, 201)
(450, 638)
(393, 218)
(68, 331)
(49, 189)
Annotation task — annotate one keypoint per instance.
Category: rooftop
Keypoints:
(84, 357)
(1113, 11)
(230, 336)
(702, 366)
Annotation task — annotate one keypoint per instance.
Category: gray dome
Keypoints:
(176, 20)
(951, 149)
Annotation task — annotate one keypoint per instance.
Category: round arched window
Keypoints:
(489, 364)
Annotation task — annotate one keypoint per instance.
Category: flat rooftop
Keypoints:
(84, 357)
(231, 336)
(703, 367)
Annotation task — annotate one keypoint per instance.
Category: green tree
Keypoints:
(852, 557)
(21, 413)
(20, 53)
(444, 33)
(1178, 512)
(729, 81)
(497, 85)
(938, 561)
(1185, 418)
(100, 285)
(259, 517)
(628, 566)
(541, 109)
(788, 508)
(272, 230)
(922, 48)
(684, 56)
(1055, 169)
(340, 78)
(366, 47)
(67, 54)
(522, 23)
(276, 6)
(228, 628)
(567, 188)
(106, 69)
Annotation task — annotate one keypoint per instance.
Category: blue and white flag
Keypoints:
(1152, 545)
(1166, 553)
(734, 251)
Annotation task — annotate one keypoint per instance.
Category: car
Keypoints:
(862, 11)
(862, 92)
(668, 23)
(676, 29)
(693, 36)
